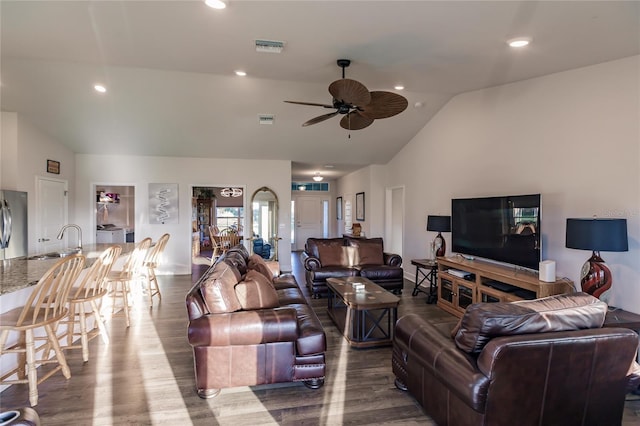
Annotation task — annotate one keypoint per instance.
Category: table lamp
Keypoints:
(596, 235)
(439, 224)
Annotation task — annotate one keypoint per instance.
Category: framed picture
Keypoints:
(360, 206)
(339, 208)
(53, 167)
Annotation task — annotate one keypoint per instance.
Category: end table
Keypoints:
(426, 269)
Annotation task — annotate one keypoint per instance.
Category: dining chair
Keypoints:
(119, 281)
(228, 241)
(151, 263)
(214, 234)
(45, 306)
(91, 290)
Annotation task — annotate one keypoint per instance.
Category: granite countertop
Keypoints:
(19, 273)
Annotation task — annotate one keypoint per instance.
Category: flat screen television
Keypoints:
(505, 229)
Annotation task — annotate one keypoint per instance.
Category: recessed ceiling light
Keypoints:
(100, 88)
(216, 4)
(399, 87)
(519, 42)
(241, 73)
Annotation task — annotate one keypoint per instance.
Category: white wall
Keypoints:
(25, 151)
(186, 172)
(573, 136)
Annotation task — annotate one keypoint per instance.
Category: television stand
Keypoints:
(488, 282)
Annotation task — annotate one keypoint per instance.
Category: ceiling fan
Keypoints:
(359, 106)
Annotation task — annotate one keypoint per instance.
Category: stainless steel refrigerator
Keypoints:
(13, 224)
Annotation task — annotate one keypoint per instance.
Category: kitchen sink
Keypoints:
(54, 254)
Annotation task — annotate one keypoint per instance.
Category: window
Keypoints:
(229, 218)
(310, 186)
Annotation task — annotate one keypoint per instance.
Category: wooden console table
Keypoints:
(488, 282)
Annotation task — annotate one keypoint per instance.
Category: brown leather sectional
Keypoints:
(540, 362)
(350, 257)
(247, 327)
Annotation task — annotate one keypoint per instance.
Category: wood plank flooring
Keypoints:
(145, 376)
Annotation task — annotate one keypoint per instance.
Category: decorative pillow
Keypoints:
(218, 289)
(368, 251)
(330, 251)
(255, 292)
(484, 321)
(257, 263)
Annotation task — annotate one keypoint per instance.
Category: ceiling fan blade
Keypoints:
(384, 105)
(319, 119)
(350, 92)
(355, 121)
(309, 103)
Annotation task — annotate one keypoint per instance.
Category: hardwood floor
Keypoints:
(145, 376)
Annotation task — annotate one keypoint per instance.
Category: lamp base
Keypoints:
(439, 246)
(595, 277)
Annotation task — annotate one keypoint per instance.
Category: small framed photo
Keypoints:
(339, 208)
(53, 167)
(360, 206)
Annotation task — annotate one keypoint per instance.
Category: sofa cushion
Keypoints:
(369, 251)
(381, 272)
(330, 251)
(484, 321)
(257, 263)
(256, 292)
(218, 289)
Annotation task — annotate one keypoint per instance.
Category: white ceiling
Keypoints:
(169, 69)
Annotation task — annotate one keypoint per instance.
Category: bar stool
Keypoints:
(91, 290)
(151, 263)
(119, 281)
(46, 305)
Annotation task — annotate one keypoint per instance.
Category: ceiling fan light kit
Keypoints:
(359, 106)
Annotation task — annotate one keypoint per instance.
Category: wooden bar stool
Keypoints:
(119, 281)
(91, 290)
(46, 305)
(151, 263)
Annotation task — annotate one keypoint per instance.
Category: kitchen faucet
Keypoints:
(64, 228)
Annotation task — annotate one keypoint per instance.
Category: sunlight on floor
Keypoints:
(333, 406)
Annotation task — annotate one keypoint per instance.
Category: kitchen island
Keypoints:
(20, 273)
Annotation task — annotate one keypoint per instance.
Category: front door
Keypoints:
(308, 219)
(51, 208)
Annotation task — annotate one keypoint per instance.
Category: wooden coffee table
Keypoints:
(365, 317)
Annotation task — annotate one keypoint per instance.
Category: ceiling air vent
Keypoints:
(269, 46)
(265, 118)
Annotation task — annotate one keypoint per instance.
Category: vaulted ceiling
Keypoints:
(168, 67)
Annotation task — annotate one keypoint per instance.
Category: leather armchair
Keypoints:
(506, 365)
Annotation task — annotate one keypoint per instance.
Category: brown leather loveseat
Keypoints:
(349, 257)
(539, 362)
(247, 327)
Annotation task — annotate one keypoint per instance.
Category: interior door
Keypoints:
(308, 219)
(52, 214)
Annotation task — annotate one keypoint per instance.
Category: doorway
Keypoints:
(214, 210)
(309, 223)
(394, 224)
(115, 214)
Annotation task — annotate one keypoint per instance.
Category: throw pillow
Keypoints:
(218, 289)
(368, 251)
(257, 263)
(255, 292)
(483, 321)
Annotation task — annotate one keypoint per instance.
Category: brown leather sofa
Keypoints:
(540, 362)
(349, 257)
(247, 327)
